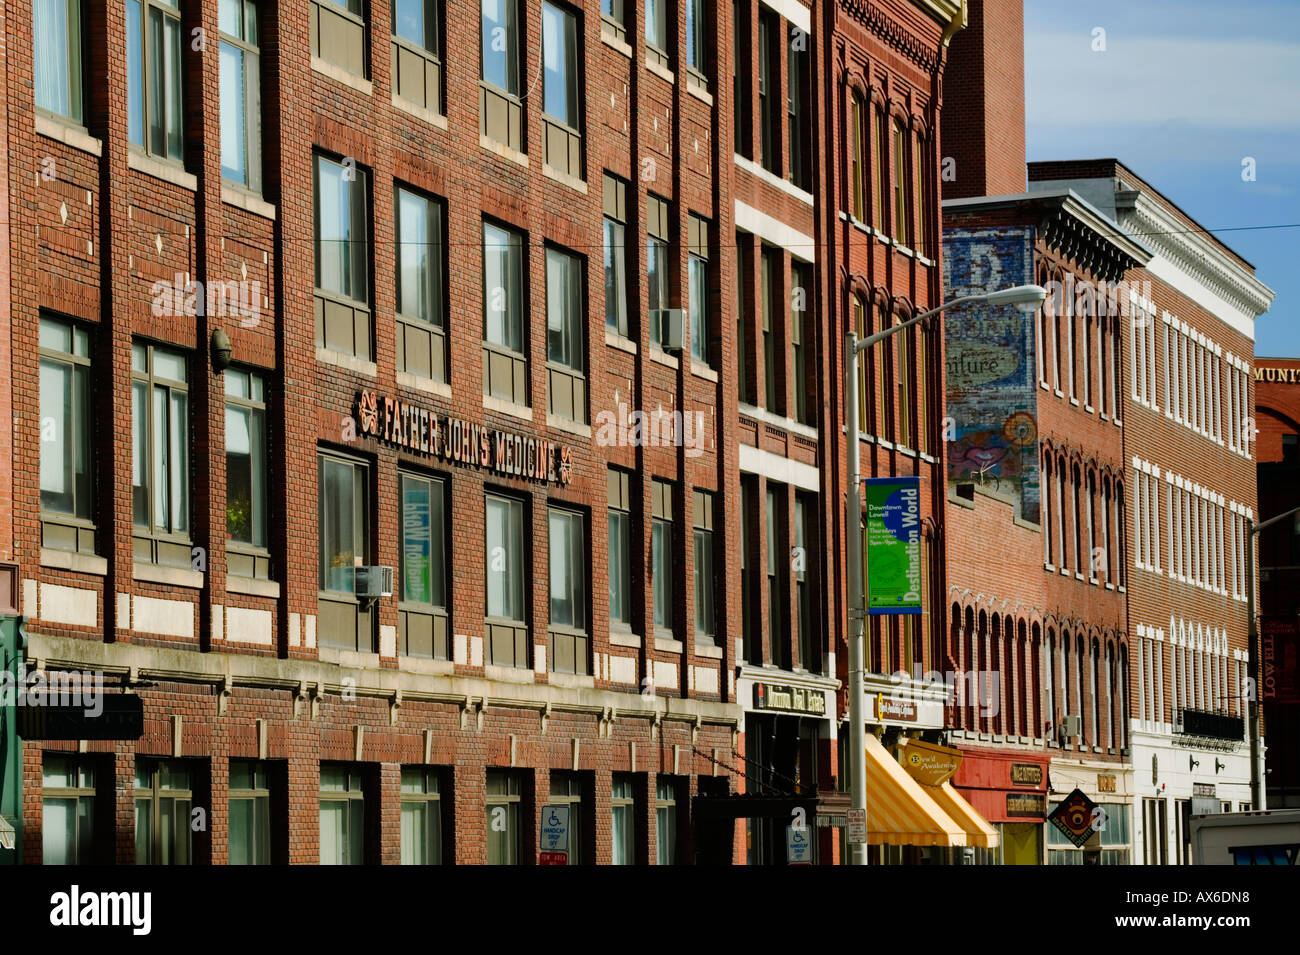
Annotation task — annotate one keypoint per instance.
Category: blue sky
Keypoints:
(1183, 92)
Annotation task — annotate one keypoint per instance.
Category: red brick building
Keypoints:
(1277, 456)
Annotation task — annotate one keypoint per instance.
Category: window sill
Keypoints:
(242, 199)
(699, 92)
(74, 561)
(68, 133)
(662, 357)
(166, 171)
(175, 576)
(340, 75)
(569, 425)
(419, 383)
(660, 71)
(425, 665)
(327, 356)
(523, 412)
(564, 179)
(624, 639)
(256, 586)
(785, 185)
(789, 424)
(615, 340)
(703, 371)
(502, 150)
(710, 650)
(419, 112)
(668, 644)
(614, 43)
(349, 658)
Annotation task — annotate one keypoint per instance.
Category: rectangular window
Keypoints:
(880, 218)
(696, 19)
(901, 218)
(241, 110)
(160, 429)
(505, 574)
(342, 815)
(561, 86)
(153, 77)
(417, 52)
(337, 33)
(567, 790)
(656, 31)
(920, 192)
(504, 817)
(421, 816)
(620, 550)
(565, 336)
(623, 819)
(422, 615)
(666, 821)
(615, 199)
(246, 474)
(421, 279)
(903, 386)
(500, 108)
(706, 626)
(657, 267)
(742, 80)
(613, 19)
(775, 624)
(801, 337)
(750, 610)
(163, 796)
(343, 488)
(342, 257)
(66, 479)
(771, 267)
(505, 364)
(249, 800)
(769, 92)
(661, 545)
(567, 531)
(804, 554)
(744, 301)
(56, 31)
(67, 811)
(698, 292)
(860, 162)
(799, 82)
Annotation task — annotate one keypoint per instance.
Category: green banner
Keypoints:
(893, 544)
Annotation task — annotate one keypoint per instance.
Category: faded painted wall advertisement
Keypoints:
(992, 437)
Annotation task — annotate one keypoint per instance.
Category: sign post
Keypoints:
(555, 836)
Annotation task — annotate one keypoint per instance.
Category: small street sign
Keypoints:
(798, 845)
(554, 848)
(857, 826)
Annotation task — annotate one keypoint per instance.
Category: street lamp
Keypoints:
(1025, 297)
(1252, 661)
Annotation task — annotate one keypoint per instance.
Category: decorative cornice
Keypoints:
(1192, 252)
(899, 36)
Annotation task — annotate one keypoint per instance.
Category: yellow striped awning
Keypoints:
(899, 810)
(978, 832)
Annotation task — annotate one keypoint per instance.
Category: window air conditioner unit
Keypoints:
(1178, 721)
(670, 322)
(374, 582)
(1071, 726)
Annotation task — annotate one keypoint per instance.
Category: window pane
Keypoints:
(409, 22)
(338, 537)
(178, 434)
(619, 568)
(694, 34)
(615, 277)
(414, 836)
(159, 464)
(502, 305)
(59, 831)
(656, 24)
(234, 166)
(559, 85)
(58, 54)
(134, 74)
(415, 262)
(704, 582)
(241, 832)
(500, 45)
(698, 305)
(139, 453)
(336, 230)
(239, 476)
(421, 528)
(661, 546)
(333, 832)
(56, 436)
(143, 831)
(505, 541)
(563, 310)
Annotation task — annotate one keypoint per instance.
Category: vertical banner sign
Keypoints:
(416, 579)
(893, 540)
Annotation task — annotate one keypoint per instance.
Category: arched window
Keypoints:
(859, 163)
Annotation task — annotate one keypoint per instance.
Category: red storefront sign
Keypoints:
(1002, 786)
(1279, 659)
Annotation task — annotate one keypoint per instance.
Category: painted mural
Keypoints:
(992, 427)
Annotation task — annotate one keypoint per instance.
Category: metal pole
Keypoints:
(1252, 670)
(853, 543)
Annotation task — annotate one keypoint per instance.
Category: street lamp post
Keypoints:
(1025, 297)
(1252, 661)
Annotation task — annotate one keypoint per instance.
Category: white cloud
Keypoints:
(1228, 83)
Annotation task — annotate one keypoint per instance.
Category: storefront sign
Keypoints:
(1025, 805)
(1279, 655)
(1285, 376)
(1203, 789)
(894, 710)
(929, 764)
(412, 428)
(1075, 817)
(416, 579)
(1027, 774)
(792, 699)
(1106, 782)
(893, 536)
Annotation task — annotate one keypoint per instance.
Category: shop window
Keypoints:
(422, 823)
(666, 821)
(342, 815)
(249, 800)
(163, 797)
(569, 789)
(68, 810)
(623, 819)
(505, 815)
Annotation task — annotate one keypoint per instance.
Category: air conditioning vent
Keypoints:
(1071, 726)
(669, 322)
(374, 582)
